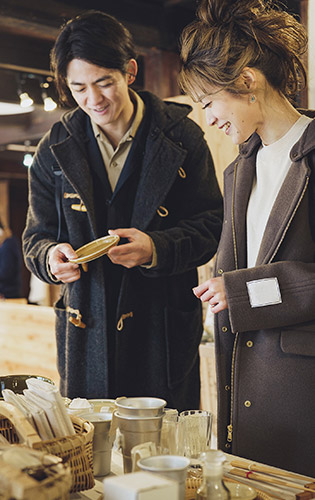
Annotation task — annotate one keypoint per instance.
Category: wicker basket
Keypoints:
(76, 450)
(52, 483)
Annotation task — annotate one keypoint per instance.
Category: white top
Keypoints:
(272, 165)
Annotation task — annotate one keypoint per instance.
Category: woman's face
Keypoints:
(235, 114)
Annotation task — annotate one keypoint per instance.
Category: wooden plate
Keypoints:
(95, 249)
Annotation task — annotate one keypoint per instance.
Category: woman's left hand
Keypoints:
(212, 291)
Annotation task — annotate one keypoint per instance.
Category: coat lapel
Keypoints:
(286, 203)
(162, 160)
(74, 165)
(243, 178)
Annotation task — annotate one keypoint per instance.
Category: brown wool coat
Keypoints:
(266, 355)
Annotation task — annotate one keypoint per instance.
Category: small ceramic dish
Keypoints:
(95, 249)
(241, 491)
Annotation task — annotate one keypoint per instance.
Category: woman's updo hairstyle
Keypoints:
(230, 35)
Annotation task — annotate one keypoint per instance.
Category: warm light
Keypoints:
(49, 104)
(7, 108)
(25, 100)
(27, 160)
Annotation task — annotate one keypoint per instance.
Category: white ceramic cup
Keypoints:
(169, 466)
(143, 450)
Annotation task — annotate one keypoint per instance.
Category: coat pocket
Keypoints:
(183, 335)
(299, 340)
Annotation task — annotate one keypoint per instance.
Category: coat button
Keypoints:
(220, 271)
(224, 329)
(227, 387)
(247, 404)
(227, 445)
(162, 211)
(182, 173)
(249, 343)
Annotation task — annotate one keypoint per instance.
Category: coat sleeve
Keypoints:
(291, 291)
(41, 228)
(190, 238)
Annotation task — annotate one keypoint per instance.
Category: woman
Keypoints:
(242, 60)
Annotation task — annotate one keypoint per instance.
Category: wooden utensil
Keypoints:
(270, 479)
(252, 466)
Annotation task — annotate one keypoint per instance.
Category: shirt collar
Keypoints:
(131, 132)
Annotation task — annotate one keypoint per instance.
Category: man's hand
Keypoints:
(212, 291)
(136, 252)
(60, 267)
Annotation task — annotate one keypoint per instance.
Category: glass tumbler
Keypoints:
(194, 433)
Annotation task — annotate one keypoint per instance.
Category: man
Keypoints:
(127, 164)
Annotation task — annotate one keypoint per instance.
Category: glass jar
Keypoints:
(213, 487)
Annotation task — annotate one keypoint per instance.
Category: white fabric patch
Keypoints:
(264, 292)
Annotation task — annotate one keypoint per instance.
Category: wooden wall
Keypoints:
(27, 340)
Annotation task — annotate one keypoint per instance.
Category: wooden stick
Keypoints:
(266, 469)
(271, 480)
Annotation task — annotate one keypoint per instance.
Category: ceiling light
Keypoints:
(49, 103)
(28, 160)
(25, 100)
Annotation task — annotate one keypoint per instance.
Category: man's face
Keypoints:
(101, 92)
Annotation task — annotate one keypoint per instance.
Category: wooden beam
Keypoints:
(24, 53)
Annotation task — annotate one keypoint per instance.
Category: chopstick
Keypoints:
(271, 480)
(266, 469)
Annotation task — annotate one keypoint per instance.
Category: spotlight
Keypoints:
(28, 160)
(49, 103)
(25, 100)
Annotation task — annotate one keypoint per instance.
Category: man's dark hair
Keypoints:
(95, 37)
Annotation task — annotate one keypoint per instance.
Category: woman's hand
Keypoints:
(60, 267)
(212, 291)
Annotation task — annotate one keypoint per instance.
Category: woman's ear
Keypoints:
(249, 78)
(132, 70)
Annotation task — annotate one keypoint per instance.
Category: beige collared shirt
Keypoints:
(114, 159)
